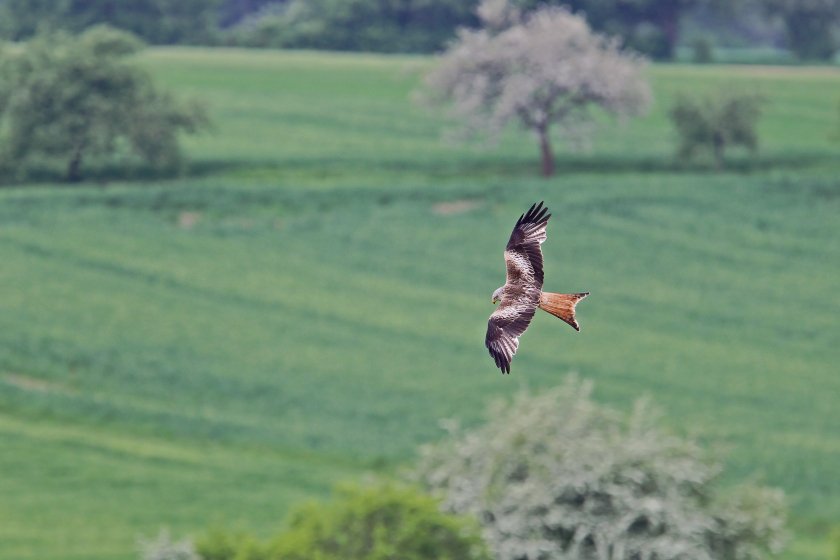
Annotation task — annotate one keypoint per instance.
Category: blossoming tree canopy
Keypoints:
(541, 69)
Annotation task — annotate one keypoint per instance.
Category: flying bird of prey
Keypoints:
(522, 293)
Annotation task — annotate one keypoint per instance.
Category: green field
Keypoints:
(307, 303)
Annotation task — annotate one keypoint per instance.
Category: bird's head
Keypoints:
(497, 295)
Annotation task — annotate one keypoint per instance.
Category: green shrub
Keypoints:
(715, 123)
(220, 544)
(702, 50)
(836, 543)
(363, 523)
(67, 102)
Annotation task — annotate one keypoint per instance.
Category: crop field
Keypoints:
(310, 299)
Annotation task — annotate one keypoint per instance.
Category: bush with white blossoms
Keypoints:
(163, 547)
(557, 476)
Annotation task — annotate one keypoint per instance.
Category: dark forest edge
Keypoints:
(656, 28)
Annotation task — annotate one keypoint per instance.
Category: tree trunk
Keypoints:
(718, 153)
(74, 174)
(669, 14)
(547, 156)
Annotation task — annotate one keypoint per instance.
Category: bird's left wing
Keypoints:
(506, 325)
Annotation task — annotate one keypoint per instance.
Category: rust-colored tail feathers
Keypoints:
(562, 306)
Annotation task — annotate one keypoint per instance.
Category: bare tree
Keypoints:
(541, 69)
(558, 477)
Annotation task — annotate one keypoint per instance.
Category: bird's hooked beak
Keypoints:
(495, 299)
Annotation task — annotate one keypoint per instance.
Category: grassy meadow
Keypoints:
(306, 303)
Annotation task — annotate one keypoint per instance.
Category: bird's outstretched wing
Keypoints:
(523, 255)
(521, 294)
(506, 325)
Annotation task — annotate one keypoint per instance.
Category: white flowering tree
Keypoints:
(557, 476)
(546, 68)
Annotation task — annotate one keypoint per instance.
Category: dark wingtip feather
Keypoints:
(534, 215)
(534, 210)
(526, 217)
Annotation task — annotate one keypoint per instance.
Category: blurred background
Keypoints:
(243, 260)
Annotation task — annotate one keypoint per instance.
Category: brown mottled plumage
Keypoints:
(522, 294)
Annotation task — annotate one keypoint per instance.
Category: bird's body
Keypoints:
(522, 294)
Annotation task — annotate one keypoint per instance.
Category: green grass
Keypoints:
(297, 312)
(349, 113)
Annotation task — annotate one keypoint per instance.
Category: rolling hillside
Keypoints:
(311, 299)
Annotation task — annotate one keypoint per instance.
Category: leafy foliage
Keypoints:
(156, 21)
(541, 69)
(836, 538)
(65, 100)
(809, 25)
(221, 544)
(651, 27)
(703, 50)
(648, 26)
(232, 12)
(716, 123)
(364, 523)
(557, 476)
(357, 25)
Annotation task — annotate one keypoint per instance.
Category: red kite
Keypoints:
(522, 293)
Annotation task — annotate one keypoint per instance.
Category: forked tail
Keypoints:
(562, 306)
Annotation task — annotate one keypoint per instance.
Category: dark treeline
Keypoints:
(358, 25)
(649, 26)
(374, 25)
(232, 12)
(156, 21)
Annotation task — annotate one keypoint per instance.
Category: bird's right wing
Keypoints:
(523, 256)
